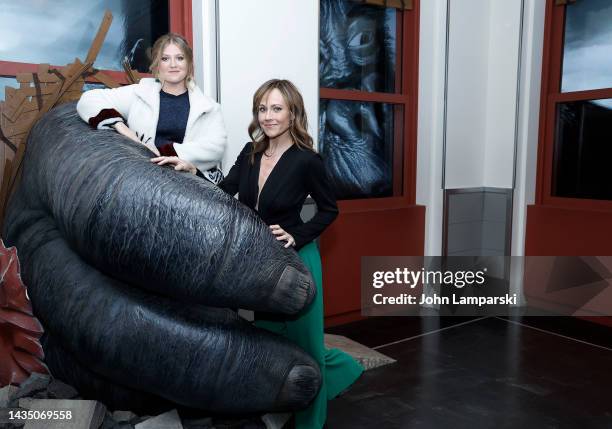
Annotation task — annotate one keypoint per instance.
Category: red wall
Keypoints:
(389, 232)
(557, 231)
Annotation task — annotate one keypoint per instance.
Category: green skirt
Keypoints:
(338, 369)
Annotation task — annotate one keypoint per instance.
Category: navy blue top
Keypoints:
(172, 122)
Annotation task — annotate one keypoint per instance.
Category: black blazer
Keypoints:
(297, 173)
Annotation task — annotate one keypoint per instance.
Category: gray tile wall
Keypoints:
(477, 222)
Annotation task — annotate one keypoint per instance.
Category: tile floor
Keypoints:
(490, 372)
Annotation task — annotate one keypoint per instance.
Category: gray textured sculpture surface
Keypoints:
(130, 268)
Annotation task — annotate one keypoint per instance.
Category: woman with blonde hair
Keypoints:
(168, 113)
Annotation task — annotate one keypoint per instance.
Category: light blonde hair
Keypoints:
(298, 126)
(158, 49)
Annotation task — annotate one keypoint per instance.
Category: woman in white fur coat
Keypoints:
(169, 114)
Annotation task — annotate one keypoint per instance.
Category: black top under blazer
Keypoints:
(297, 173)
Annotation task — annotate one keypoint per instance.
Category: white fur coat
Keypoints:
(205, 137)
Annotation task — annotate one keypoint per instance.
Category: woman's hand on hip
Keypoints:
(179, 164)
(283, 235)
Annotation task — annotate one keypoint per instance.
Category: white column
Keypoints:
(205, 37)
(260, 40)
(527, 142)
(432, 60)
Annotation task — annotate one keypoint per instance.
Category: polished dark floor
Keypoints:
(538, 372)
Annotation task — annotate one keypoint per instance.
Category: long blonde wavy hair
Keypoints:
(158, 49)
(298, 126)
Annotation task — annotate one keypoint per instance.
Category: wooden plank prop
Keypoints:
(37, 94)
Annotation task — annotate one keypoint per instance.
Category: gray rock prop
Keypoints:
(124, 416)
(7, 393)
(201, 423)
(26, 403)
(275, 420)
(60, 390)
(6, 422)
(367, 357)
(169, 420)
(44, 393)
(85, 414)
(35, 384)
(111, 423)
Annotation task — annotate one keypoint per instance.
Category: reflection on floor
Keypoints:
(490, 372)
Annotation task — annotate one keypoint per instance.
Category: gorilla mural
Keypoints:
(357, 51)
(130, 267)
(136, 25)
(143, 23)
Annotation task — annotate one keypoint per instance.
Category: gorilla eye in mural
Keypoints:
(357, 52)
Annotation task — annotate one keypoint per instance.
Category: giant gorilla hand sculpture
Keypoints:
(128, 266)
